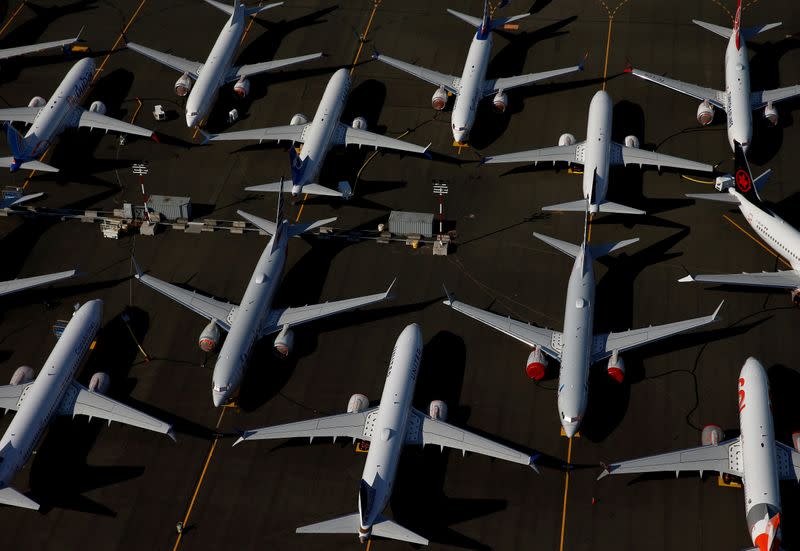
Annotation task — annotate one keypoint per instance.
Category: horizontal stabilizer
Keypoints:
(347, 524)
(750, 32)
(572, 206)
(310, 189)
(563, 246)
(29, 165)
(260, 223)
(616, 208)
(388, 529)
(580, 206)
(297, 229)
(721, 197)
(724, 32)
(10, 496)
(606, 248)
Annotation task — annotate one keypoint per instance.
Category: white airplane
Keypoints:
(597, 154)
(318, 136)
(388, 427)
(577, 348)
(8, 53)
(473, 86)
(255, 317)
(218, 69)
(55, 392)
(736, 100)
(742, 189)
(754, 456)
(16, 285)
(49, 118)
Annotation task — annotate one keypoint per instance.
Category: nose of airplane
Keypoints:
(460, 136)
(570, 429)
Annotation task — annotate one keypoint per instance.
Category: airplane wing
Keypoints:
(347, 135)
(785, 279)
(715, 97)
(9, 396)
(79, 400)
(256, 68)
(22, 50)
(721, 458)
(604, 345)
(507, 83)
(290, 133)
(192, 68)
(222, 313)
(346, 425)
(303, 314)
(92, 120)
(425, 430)
(788, 460)
(760, 99)
(564, 153)
(19, 114)
(16, 285)
(622, 155)
(549, 341)
(449, 82)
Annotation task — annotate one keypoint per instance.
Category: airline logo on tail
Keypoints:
(737, 24)
(486, 23)
(298, 166)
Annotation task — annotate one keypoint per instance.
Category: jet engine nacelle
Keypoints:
(771, 114)
(616, 367)
(98, 107)
(209, 338)
(796, 441)
(705, 113)
(439, 99)
(632, 141)
(242, 87)
(537, 364)
(22, 376)
(183, 85)
(37, 101)
(712, 435)
(100, 382)
(284, 342)
(298, 119)
(500, 101)
(438, 410)
(359, 123)
(566, 139)
(357, 403)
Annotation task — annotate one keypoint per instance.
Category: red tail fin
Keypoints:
(737, 24)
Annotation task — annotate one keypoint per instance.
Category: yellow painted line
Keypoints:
(707, 182)
(199, 482)
(363, 37)
(369, 544)
(566, 489)
(589, 229)
(13, 16)
(754, 238)
(302, 205)
(33, 172)
(608, 48)
(249, 24)
(136, 112)
(119, 38)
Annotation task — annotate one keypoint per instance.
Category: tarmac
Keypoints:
(120, 488)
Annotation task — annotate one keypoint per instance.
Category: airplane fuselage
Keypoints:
(215, 70)
(250, 317)
(473, 81)
(597, 149)
(41, 400)
(775, 231)
(573, 376)
(390, 427)
(738, 106)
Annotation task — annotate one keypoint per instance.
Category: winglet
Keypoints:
(206, 136)
(450, 298)
(139, 272)
(532, 464)
(628, 67)
(715, 315)
(171, 434)
(687, 279)
(582, 63)
(606, 471)
(388, 294)
(80, 32)
(154, 137)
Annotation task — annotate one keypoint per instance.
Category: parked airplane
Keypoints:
(218, 69)
(8, 53)
(737, 100)
(49, 118)
(16, 285)
(754, 456)
(318, 137)
(472, 86)
(577, 348)
(255, 317)
(55, 392)
(597, 154)
(742, 190)
(388, 427)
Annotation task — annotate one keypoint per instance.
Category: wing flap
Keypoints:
(182, 65)
(635, 156)
(345, 425)
(507, 83)
(19, 114)
(10, 396)
(291, 133)
(785, 279)
(760, 99)
(788, 460)
(348, 135)
(16, 285)
(89, 119)
(715, 97)
(257, 68)
(33, 48)
(561, 153)
(449, 82)
(723, 458)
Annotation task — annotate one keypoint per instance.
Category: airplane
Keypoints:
(755, 457)
(388, 427)
(742, 189)
(597, 154)
(55, 392)
(218, 68)
(736, 100)
(16, 285)
(318, 136)
(255, 317)
(576, 347)
(8, 53)
(472, 86)
(49, 118)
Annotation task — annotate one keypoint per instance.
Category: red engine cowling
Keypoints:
(705, 113)
(439, 99)
(500, 101)
(616, 367)
(284, 342)
(100, 382)
(22, 375)
(37, 101)
(209, 338)
(771, 114)
(438, 410)
(536, 368)
(357, 403)
(712, 435)
(242, 87)
(183, 85)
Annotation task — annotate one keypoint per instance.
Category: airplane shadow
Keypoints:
(784, 383)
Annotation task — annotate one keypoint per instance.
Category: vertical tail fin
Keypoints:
(17, 144)
(742, 177)
(737, 23)
(486, 21)
(298, 166)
